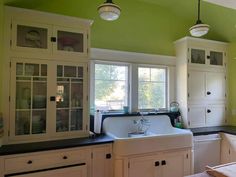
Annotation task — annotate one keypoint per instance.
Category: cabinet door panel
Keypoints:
(215, 115)
(196, 85)
(144, 166)
(215, 86)
(196, 116)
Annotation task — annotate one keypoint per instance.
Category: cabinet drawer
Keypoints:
(44, 160)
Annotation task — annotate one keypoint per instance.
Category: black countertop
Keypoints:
(53, 145)
(212, 130)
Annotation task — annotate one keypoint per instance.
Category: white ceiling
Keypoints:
(225, 3)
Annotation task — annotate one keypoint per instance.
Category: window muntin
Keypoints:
(152, 86)
(111, 86)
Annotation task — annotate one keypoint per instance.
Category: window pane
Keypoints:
(152, 91)
(111, 88)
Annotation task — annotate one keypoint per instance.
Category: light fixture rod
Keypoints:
(109, 1)
(199, 6)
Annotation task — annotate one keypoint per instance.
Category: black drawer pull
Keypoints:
(208, 93)
(157, 163)
(30, 162)
(108, 156)
(163, 162)
(208, 57)
(208, 111)
(65, 157)
(52, 98)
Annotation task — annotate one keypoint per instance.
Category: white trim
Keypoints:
(132, 57)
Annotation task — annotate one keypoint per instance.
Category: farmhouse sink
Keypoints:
(160, 135)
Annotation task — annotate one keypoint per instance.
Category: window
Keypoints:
(110, 86)
(151, 88)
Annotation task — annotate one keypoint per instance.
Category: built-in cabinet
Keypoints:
(157, 164)
(47, 58)
(201, 74)
(89, 161)
(228, 148)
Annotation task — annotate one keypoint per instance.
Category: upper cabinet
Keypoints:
(46, 63)
(206, 57)
(47, 35)
(201, 77)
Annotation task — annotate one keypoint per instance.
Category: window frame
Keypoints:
(166, 85)
(92, 82)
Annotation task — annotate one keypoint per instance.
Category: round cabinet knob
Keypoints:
(157, 163)
(208, 111)
(163, 162)
(208, 93)
(65, 157)
(30, 162)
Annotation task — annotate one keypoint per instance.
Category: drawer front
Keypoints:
(45, 160)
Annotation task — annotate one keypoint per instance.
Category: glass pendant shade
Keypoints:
(199, 29)
(109, 11)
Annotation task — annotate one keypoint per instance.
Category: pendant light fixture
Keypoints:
(109, 11)
(199, 29)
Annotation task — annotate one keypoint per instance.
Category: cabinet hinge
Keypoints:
(229, 151)
(225, 95)
(128, 165)
(91, 155)
(8, 132)
(186, 156)
(87, 36)
(10, 42)
(11, 26)
(188, 109)
(188, 123)
(188, 95)
(10, 64)
(188, 75)
(9, 98)
(225, 77)
(225, 53)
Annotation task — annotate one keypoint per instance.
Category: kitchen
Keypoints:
(64, 65)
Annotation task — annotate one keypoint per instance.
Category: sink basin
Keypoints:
(160, 136)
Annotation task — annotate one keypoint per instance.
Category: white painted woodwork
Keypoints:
(50, 55)
(215, 115)
(101, 165)
(194, 81)
(93, 160)
(196, 85)
(78, 171)
(196, 115)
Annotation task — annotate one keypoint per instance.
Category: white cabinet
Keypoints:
(201, 68)
(163, 165)
(228, 148)
(47, 34)
(47, 65)
(88, 161)
(102, 163)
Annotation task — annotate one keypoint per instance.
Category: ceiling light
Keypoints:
(109, 11)
(199, 29)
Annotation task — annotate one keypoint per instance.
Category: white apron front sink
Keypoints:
(160, 136)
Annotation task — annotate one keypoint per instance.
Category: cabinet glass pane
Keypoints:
(62, 97)
(198, 56)
(33, 37)
(39, 95)
(76, 120)
(216, 58)
(31, 98)
(39, 122)
(22, 124)
(76, 94)
(69, 41)
(23, 95)
(32, 69)
(62, 123)
(69, 71)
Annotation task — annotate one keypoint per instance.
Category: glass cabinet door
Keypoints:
(198, 56)
(28, 36)
(70, 41)
(30, 98)
(216, 58)
(69, 98)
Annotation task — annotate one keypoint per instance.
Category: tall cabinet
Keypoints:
(201, 77)
(46, 56)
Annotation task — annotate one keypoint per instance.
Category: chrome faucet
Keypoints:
(142, 125)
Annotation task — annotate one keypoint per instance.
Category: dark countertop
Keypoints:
(212, 130)
(53, 145)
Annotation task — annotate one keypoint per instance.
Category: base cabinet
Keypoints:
(89, 161)
(228, 148)
(161, 164)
